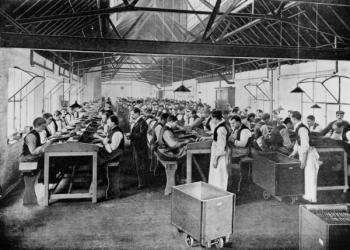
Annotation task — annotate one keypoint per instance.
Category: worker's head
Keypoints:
(216, 116)
(57, 115)
(235, 110)
(288, 122)
(164, 117)
(251, 117)
(171, 121)
(296, 117)
(259, 113)
(135, 113)
(39, 124)
(48, 118)
(310, 120)
(112, 121)
(340, 115)
(266, 117)
(235, 122)
(193, 113)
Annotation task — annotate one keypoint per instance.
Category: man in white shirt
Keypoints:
(307, 155)
(313, 125)
(113, 144)
(241, 133)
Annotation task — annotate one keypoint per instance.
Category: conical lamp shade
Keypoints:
(315, 106)
(182, 88)
(297, 90)
(75, 105)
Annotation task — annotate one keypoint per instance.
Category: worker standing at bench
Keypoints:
(138, 138)
(218, 174)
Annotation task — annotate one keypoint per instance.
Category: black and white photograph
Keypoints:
(174, 124)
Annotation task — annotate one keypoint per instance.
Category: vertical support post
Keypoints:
(14, 112)
(70, 76)
(233, 70)
(43, 93)
(20, 110)
(339, 79)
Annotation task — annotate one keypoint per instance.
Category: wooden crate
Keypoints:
(278, 174)
(203, 211)
(317, 230)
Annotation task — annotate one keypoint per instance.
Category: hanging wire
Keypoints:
(182, 69)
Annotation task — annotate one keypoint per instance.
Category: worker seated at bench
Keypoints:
(153, 135)
(280, 137)
(170, 148)
(33, 149)
(113, 144)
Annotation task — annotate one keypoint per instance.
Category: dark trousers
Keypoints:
(140, 159)
(104, 156)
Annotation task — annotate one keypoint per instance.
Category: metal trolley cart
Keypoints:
(324, 226)
(278, 175)
(204, 213)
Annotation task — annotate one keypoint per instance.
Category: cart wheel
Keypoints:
(189, 241)
(293, 200)
(220, 243)
(266, 195)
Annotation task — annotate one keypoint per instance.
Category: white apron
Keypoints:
(218, 176)
(311, 171)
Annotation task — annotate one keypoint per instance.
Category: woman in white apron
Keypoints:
(218, 175)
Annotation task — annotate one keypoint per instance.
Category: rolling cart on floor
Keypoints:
(204, 213)
(279, 175)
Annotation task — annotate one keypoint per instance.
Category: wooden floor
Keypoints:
(138, 220)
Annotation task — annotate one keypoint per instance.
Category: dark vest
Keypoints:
(239, 134)
(48, 133)
(110, 135)
(207, 124)
(25, 150)
(160, 140)
(216, 131)
(55, 124)
(276, 137)
(297, 133)
(257, 132)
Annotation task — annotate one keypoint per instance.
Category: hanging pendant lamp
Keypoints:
(297, 90)
(315, 106)
(182, 88)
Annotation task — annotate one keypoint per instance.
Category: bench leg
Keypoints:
(170, 170)
(29, 197)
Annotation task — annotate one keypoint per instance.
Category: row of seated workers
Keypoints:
(161, 126)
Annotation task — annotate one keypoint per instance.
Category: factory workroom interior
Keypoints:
(174, 124)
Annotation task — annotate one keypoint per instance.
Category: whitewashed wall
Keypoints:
(289, 76)
(133, 89)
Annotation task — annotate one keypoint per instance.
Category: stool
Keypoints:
(108, 166)
(170, 170)
(30, 179)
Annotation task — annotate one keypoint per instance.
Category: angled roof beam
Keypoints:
(133, 47)
(211, 20)
(342, 3)
(252, 23)
(136, 9)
